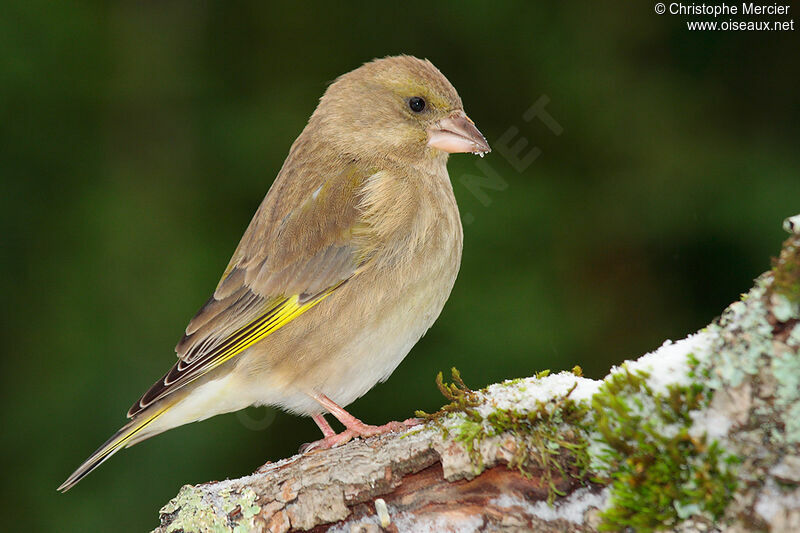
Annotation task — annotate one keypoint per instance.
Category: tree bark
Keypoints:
(423, 478)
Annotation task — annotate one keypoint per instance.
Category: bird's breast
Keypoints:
(414, 221)
(360, 333)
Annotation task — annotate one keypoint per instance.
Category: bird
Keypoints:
(347, 262)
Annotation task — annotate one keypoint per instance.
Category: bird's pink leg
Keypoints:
(326, 428)
(353, 426)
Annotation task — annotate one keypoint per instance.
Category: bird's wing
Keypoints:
(302, 244)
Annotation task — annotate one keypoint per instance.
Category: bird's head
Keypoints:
(397, 107)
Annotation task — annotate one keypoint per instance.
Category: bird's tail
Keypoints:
(129, 434)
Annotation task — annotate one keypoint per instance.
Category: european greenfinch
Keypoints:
(347, 262)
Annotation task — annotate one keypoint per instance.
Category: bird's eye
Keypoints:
(416, 104)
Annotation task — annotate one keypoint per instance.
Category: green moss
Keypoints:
(786, 270)
(552, 440)
(462, 400)
(633, 439)
(554, 443)
(658, 472)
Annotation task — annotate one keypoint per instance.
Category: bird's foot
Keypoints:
(357, 428)
(365, 430)
(328, 442)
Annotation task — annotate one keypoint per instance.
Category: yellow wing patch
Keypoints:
(184, 372)
(281, 315)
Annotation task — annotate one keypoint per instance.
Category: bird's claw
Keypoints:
(358, 429)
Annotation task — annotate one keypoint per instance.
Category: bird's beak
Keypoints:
(457, 134)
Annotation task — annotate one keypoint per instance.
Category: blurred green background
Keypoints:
(138, 138)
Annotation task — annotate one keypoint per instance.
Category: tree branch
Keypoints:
(703, 431)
